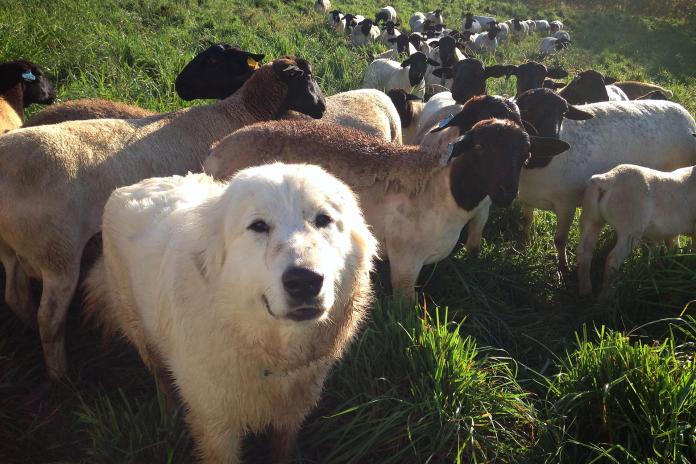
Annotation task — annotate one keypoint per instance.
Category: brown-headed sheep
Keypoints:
(21, 84)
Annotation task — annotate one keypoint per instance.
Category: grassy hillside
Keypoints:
(501, 362)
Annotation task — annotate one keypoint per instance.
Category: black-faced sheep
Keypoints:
(408, 75)
(21, 84)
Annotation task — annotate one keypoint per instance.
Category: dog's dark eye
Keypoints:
(259, 226)
(323, 220)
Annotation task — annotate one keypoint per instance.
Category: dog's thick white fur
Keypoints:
(193, 275)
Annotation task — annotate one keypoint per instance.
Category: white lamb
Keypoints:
(408, 75)
(246, 292)
(640, 203)
(364, 33)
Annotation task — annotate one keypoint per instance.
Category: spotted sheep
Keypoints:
(81, 162)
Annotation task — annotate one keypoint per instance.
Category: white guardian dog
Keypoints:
(246, 292)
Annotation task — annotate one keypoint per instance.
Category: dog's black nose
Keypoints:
(301, 283)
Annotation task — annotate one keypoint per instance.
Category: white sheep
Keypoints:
(390, 32)
(484, 21)
(415, 206)
(487, 42)
(469, 24)
(651, 133)
(542, 25)
(519, 29)
(408, 75)
(67, 171)
(364, 33)
(446, 53)
(352, 21)
(385, 14)
(245, 313)
(531, 25)
(551, 45)
(504, 33)
(435, 16)
(561, 35)
(21, 84)
(640, 203)
(322, 6)
(555, 26)
(417, 22)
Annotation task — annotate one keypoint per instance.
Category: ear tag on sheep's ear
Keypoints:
(445, 121)
(28, 76)
(252, 63)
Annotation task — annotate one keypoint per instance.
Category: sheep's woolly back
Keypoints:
(358, 159)
(86, 108)
(634, 89)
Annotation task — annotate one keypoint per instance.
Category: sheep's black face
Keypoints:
(480, 108)
(389, 26)
(447, 46)
(469, 80)
(493, 31)
(402, 44)
(418, 64)
(586, 87)
(531, 75)
(304, 94)
(416, 39)
(366, 26)
(469, 20)
(216, 73)
(489, 159)
(37, 88)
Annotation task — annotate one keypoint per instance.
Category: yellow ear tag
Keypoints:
(252, 63)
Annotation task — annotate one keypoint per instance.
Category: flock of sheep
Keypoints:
(244, 284)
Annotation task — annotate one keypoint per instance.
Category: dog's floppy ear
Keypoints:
(210, 260)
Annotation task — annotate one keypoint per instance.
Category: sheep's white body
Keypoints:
(322, 6)
(358, 38)
(416, 22)
(385, 75)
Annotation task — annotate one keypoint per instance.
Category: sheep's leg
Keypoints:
(58, 289)
(279, 444)
(18, 295)
(475, 231)
(527, 222)
(624, 246)
(560, 240)
(216, 443)
(590, 227)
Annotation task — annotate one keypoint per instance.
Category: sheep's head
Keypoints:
(542, 113)
(335, 15)
(531, 75)
(447, 46)
(480, 108)
(586, 87)
(217, 72)
(390, 26)
(36, 88)
(562, 43)
(488, 159)
(303, 93)
(493, 30)
(402, 43)
(365, 26)
(417, 63)
(469, 20)
(415, 38)
(403, 102)
(470, 78)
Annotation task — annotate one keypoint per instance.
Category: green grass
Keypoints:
(495, 365)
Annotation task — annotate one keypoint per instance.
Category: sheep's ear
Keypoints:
(449, 121)
(447, 73)
(465, 143)
(432, 62)
(498, 70)
(576, 114)
(557, 73)
(406, 62)
(610, 80)
(546, 147)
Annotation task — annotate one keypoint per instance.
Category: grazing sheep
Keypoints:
(408, 75)
(367, 110)
(651, 133)
(209, 75)
(352, 21)
(364, 33)
(519, 29)
(336, 20)
(322, 6)
(541, 25)
(531, 75)
(409, 108)
(561, 35)
(634, 90)
(247, 292)
(415, 206)
(487, 42)
(555, 26)
(640, 203)
(21, 84)
(386, 14)
(551, 45)
(470, 24)
(390, 32)
(57, 178)
(417, 22)
(435, 16)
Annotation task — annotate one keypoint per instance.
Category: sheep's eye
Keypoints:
(259, 227)
(323, 220)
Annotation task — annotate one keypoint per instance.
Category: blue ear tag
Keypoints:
(445, 121)
(28, 76)
(450, 152)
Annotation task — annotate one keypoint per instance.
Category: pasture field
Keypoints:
(500, 362)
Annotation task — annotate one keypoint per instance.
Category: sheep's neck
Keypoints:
(14, 97)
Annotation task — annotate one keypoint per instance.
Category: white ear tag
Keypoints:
(445, 121)
(28, 76)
